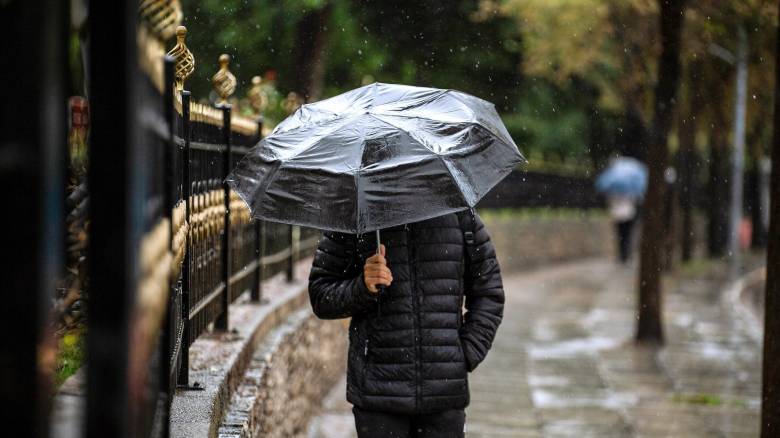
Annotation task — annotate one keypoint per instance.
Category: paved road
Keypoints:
(564, 364)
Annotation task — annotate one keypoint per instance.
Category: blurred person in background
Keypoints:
(624, 182)
(623, 211)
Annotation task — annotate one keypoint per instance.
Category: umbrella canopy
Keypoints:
(625, 176)
(375, 157)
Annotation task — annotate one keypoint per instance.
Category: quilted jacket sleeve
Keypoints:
(484, 298)
(336, 287)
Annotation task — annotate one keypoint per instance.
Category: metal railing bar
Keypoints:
(177, 347)
(216, 293)
(309, 243)
(240, 149)
(276, 258)
(212, 147)
(246, 270)
(201, 146)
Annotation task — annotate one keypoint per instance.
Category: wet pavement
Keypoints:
(564, 362)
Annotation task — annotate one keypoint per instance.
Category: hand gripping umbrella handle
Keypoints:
(380, 289)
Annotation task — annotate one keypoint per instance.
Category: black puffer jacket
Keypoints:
(411, 353)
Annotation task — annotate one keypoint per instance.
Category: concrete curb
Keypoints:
(235, 424)
(287, 379)
(218, 361)
(733, 299)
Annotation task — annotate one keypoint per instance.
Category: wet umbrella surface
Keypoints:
(625, 176)
(376, 157)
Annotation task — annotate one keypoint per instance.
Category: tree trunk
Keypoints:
(688, 158)
(635, 136)
(718, 187)
(757, 192)
(312, 39)
(737, 162)
(760, 235)
(649, 328)
(670, 222)
(770, 394)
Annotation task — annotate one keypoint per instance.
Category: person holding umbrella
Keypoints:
(624, 183)
(411, 162)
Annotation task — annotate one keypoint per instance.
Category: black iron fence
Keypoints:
(522, 189)
(225, 254)
(193, 249)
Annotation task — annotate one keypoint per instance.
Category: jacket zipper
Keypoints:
(365, 362)
(415, 306)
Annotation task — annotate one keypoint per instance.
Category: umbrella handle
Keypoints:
(380, 289)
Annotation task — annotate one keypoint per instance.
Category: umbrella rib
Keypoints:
(427, 100)
(498, 135)
(358, 195)
(404, 130)
(478, 125)
(460, 190)
(346, 121)
(374, 93)
(439, 156)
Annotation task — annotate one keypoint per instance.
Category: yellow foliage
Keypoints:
(562, 38)
(610, 43)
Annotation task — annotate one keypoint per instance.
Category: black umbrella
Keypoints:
(376, 157)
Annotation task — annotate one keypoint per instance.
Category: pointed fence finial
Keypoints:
(257, 96)
(162, 16)
(185, 62)
(292, 102)
(224, 82)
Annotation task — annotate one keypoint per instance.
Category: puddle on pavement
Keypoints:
(537, 380)
(572, 348)
(546, 398)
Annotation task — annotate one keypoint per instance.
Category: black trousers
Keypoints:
(446, 424)
(624, 230)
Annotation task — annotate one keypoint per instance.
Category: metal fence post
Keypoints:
(184, 374)
(116, 216)
(221, 322)
(770, 384)
(262, 245)
(257, 288)
(169, 326)
(32, 144)
(294, 238)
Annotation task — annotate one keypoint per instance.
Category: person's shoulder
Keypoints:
(337, 238)
(449, 220)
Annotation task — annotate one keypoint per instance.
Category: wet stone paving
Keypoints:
(564, 363)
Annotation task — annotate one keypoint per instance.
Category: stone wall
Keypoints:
(310, 360)
(529, 241)
(287, 378)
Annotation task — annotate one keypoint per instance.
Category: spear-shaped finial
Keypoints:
(257, 96)
(224, 82)
(292, 102)
(185, 62)
(162, 16)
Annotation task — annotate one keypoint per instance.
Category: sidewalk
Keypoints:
(564, 363)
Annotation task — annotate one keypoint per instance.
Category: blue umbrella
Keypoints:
(625, 176)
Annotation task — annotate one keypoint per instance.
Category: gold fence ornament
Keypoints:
(292, 102)
(185, 62)
(223, 80)
(162, 16)
(257, 96)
